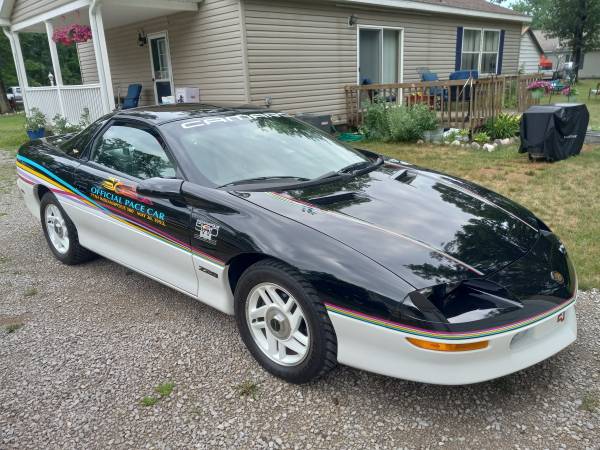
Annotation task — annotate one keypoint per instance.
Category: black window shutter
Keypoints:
(458, 57)
(500, 53)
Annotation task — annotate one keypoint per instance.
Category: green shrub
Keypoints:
(481, 138)
(397, 123)
(62, 126)
(504, 126)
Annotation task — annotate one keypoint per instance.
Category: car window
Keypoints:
(228, 148)
(133, 151)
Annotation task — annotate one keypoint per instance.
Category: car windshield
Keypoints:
(263, 147)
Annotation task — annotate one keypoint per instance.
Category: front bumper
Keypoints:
(386, 351)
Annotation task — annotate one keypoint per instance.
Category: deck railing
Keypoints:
(68, 101)
(458, 104)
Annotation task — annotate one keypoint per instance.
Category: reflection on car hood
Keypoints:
(425, 227)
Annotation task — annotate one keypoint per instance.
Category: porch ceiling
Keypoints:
(115, 13)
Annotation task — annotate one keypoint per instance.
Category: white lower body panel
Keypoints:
(387, 352)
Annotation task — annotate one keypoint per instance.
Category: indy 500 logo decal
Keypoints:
(207, 232)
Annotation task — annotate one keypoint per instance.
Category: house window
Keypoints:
(480, 50)
(379, 55)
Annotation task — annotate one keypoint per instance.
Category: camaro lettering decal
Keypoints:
(229, 119)
(449, 335)
(33, 173)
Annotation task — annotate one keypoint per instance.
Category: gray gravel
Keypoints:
(98, 338)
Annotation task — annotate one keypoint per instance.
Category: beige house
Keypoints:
(291, 55)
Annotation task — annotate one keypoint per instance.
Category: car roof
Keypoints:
(161, 114)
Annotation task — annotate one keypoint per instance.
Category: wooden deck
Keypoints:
(458, 104)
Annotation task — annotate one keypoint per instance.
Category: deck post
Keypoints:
(101, 53)
(15, 45)
(55, 65)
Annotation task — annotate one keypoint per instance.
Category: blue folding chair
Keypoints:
(133, 96)
(462, 75)
(435, 91)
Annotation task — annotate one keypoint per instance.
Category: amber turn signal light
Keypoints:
(443, 347)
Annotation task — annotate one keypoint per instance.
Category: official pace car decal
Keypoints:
(448, 335)
(33, 173)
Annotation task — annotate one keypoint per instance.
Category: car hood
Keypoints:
(426, 227)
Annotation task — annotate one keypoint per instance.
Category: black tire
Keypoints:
(322, 352)
(76, 254)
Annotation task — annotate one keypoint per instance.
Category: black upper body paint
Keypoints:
(372, 243)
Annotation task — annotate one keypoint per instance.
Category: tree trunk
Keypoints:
(4, 105)
(578, 38)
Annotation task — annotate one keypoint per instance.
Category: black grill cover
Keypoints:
(554, 132)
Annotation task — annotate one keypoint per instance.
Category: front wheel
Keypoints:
(61, 233)
(283, 323)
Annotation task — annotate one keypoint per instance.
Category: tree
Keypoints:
(576, 23)
(8, 76)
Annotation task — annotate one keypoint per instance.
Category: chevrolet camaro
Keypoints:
(324, 253)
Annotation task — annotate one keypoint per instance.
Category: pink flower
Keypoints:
(71, 34)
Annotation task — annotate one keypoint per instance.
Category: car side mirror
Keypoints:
(169, 188)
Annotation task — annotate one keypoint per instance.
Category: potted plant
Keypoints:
(427, 121)
(35, 124)
(539, 88)
(72, 34)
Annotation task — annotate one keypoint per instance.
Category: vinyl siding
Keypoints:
(529, 56)
(303, 53)
(206, 52)
(25, 9)
(87, 62)
(591, 65)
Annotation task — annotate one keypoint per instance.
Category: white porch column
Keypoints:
(101, 53)
(55, 65)
(15, 45)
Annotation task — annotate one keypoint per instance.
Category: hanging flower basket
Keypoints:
(72, 34)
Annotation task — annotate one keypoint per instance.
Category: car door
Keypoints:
(150, 235)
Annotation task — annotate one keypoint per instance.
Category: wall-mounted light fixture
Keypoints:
(142, 38)
(352, 20)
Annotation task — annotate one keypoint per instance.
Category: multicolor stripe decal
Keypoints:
(32, 173)
(448, 335)
(290, 199)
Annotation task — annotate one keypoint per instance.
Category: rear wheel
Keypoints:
(61, 233)
(283, 324)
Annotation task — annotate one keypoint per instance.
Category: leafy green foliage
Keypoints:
(62, 126)
(398, 123)
(481, 138)
(35, 120)
(504, 126)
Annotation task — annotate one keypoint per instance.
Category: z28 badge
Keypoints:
(206, 231)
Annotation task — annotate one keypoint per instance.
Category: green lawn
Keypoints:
(593, 104)
(12, 132)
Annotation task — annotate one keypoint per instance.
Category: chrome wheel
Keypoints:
(277, 324)
(57, 229)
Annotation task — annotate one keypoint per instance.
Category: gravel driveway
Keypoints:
(96, 339)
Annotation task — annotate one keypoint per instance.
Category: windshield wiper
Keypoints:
(355, 166)
(259, 179)
(352, 169)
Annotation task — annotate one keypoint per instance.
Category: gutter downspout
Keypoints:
(19, 66)
(101, 56)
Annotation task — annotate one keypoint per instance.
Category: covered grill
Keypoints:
(554, 132)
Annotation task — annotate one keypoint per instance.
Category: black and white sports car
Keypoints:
(324, 253)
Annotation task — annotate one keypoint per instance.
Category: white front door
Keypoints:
(160, 59)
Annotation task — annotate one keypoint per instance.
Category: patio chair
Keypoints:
(133, 96)
(456, 91)
(435, 91)
(594, 92)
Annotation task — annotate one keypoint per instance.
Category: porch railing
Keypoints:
(68, 101)
(458, 104)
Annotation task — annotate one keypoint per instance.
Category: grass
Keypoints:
(30, 292)
(163, 390)
(12, 132)
(563, 194)
(593, 104)
(590, 401)
(247, 389)
(13, 327)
